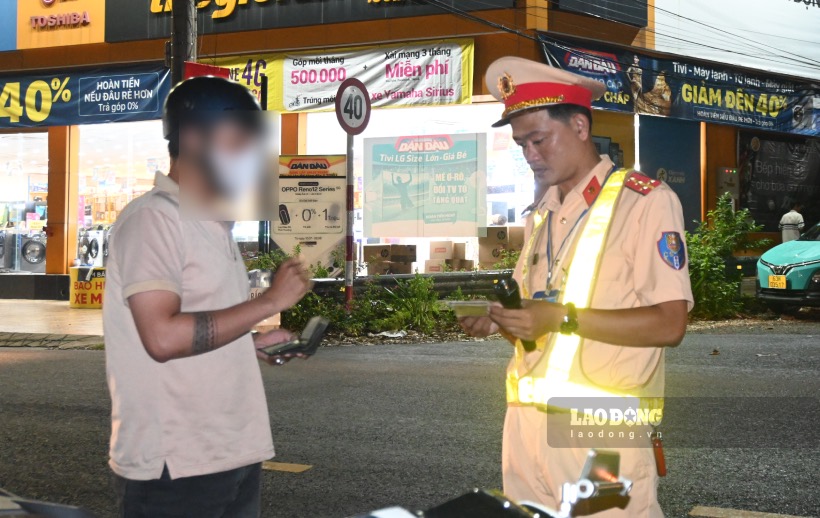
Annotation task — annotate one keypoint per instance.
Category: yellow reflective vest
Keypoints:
(550, 382)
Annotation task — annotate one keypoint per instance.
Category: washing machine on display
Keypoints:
(82, 245)
(94, 245)
(27, 252)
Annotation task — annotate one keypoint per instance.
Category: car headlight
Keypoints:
(814, 283)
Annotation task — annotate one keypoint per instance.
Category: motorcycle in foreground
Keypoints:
(599, 479)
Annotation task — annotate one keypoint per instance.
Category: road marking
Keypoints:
(284, 466)
(718, 512)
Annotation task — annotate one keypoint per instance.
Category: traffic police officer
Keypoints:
(606, 287)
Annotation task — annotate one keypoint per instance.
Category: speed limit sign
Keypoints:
(353, 106)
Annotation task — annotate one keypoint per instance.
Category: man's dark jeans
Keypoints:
(230, 494)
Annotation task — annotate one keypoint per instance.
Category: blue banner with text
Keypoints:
(86, 97)
(683, 89)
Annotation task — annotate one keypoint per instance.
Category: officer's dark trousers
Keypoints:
(230, 494)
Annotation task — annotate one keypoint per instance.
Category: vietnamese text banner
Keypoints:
(425, 186)
(89, 97)
(413, 74)
(687, 90)
(128, 20)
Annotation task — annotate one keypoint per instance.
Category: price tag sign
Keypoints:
(353, 106)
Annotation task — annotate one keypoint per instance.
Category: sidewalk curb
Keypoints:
(48, 341)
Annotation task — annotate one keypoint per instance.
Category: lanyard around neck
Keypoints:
(554, 258)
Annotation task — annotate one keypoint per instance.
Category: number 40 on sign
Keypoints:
(353, 106)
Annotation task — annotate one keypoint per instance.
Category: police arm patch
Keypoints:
(672, 250)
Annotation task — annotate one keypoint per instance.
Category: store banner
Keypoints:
(425, 186)
(777, 172)
(56, 23)
(87, 97)
(690, 90)
(670, 152)
(407, 75)
(129, 20)
(312, 199)
(8, 25)
(413, 74)
(779, 36)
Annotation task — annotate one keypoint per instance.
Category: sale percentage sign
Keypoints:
(37, 101)
(60, 92)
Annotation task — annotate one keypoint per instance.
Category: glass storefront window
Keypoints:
(117, 164)
(23, 201)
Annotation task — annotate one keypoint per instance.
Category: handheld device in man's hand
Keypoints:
(307, 343)
(510, 297)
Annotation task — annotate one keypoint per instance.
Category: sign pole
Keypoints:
(353, 113)
(264, 226)
(350, 266)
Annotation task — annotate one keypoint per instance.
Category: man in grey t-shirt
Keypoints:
(190, 424)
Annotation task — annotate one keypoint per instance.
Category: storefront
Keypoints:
(106, 156)
(97, 143)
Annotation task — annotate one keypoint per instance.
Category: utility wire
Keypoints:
(724, 31)
(545, 37)
(813, 64)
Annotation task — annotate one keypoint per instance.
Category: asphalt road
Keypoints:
(415, 425)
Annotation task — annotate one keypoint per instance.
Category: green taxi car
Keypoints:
(788, 275)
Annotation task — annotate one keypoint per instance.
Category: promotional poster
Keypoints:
(775, 174)
(425, 186)
(85, 97)
(312, 193)
(686, 90)
(433, 73)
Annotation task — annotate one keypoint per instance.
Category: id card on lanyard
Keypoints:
(551, 293)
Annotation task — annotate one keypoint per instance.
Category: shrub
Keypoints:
(713, 242)
(410, 304)
(507, 260)
(268, 261)
(298, 316)
(417, 304)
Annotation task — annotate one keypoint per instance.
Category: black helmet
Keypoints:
(208, 99)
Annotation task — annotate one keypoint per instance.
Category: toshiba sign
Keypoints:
(64, 19)
(60, 20)
(54, 23)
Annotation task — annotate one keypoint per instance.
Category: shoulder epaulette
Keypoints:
(640, 183)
